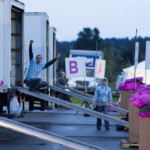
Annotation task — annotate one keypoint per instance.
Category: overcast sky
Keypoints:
(114, 18)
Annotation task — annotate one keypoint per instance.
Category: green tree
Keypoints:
(87, 39)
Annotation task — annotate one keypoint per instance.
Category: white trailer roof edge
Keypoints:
(85, 52)
(36, 13)
(18, 4)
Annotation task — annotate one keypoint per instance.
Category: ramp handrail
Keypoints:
(79, 92)
(45, 135)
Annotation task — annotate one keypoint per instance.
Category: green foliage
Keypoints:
(118, 53)
(63, 48)
(87, 39)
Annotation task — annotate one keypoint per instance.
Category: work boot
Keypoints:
(98, 128)
(107, 128)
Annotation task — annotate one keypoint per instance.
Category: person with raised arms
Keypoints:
(33, 79)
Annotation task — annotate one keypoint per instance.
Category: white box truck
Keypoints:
(37, 28)
(11, 47)
(91, 56)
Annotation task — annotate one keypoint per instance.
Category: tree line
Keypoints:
(118, 52)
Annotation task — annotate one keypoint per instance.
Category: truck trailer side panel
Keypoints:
(7, 26)
(16, 47)
(1, 41)
(35, 28)
(6, 40)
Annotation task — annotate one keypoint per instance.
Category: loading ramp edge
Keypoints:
(74, 90)
(73, 106)
(87, 99)
(82, 93)
(45, 135)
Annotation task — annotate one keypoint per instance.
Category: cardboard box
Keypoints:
(134, 124)
(144, 133)
(125, 96)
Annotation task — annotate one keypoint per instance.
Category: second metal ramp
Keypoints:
(85, 98)
(74, 90)
(72, 106)
(44, 135)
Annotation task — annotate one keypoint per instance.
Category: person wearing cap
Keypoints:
(102, 100)
(61, 81)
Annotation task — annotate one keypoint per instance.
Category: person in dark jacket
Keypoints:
(33, 79)
(61, 79)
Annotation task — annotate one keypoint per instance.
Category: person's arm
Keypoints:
(95, 96)
(52, 61)
(30, 50)
(110, 96)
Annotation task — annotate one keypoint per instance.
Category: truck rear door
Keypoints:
(16, 47)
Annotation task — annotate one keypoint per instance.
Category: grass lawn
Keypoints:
(112, 86)
(76, 101)
(79, 102)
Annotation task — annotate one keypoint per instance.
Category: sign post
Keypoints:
(75, 67)
(147, 59)
(136, 61)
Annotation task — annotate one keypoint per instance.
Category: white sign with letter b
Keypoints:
(75, 67)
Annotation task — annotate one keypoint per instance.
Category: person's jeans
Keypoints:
(36, 84)
(103, 109)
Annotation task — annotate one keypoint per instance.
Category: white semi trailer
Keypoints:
(11, 47)
(37, 28)
(17, 28)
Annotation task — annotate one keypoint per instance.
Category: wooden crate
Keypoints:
(134, 124)
(144, 133)
(126, 144)
(125, 96)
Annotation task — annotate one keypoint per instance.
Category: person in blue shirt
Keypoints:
(102, 99)
(33, 79)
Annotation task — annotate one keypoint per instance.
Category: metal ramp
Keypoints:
(72, 106)
(74, 90)
(45, 135)
(79, 92)
(84, 98)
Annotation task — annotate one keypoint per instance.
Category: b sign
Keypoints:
(100, 68)
(75, 67)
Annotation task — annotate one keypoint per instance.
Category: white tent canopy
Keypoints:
(128, 73)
